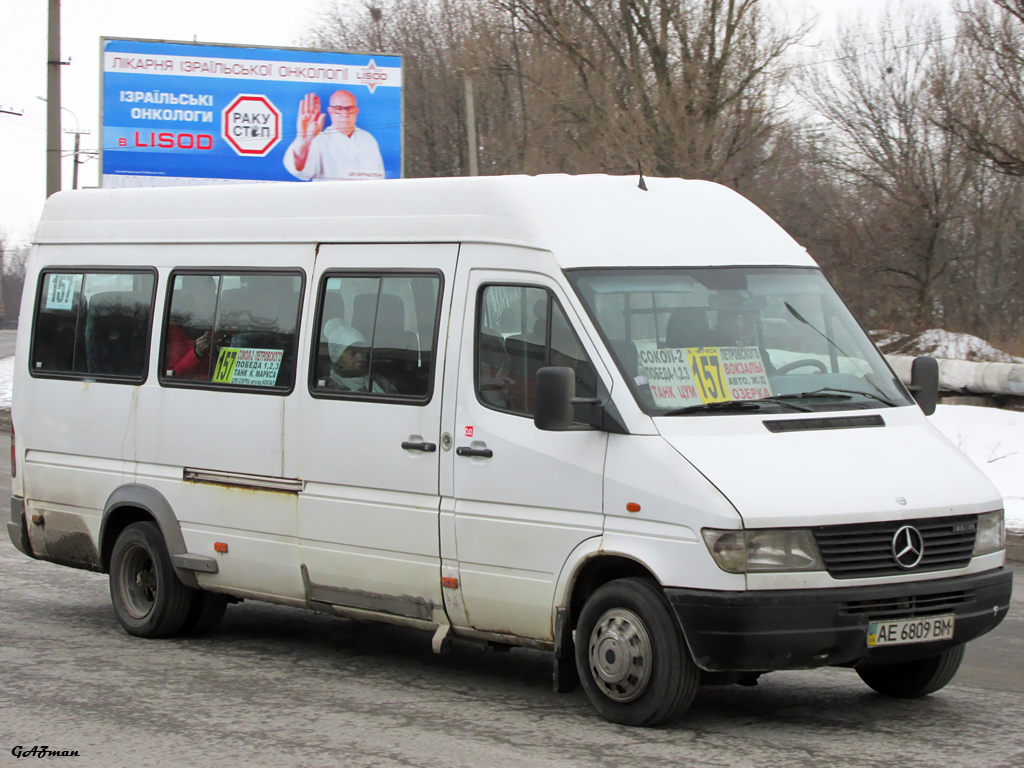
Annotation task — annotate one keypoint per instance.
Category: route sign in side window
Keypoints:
(93, 325)
(521, 329)
(376, 336)
(232, 330)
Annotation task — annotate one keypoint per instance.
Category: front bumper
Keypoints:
(808, 628)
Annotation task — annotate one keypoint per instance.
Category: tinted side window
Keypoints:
(232, 329)
(93, 324)
(376, 335)
(520, 330)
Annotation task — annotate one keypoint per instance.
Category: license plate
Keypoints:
(904, 631)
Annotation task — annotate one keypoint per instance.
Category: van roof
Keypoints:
(586, 221)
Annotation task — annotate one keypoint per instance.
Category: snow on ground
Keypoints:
(992, 438)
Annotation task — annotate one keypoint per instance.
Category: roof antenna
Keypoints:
(642, 184)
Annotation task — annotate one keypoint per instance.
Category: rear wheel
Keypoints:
(631, 655)
(149, 599)
(913, 679)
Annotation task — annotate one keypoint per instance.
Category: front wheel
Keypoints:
(913, 679)
(631, 655)
(149, 599)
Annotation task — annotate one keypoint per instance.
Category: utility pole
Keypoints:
(53, 101)
(74, 173)
(474, 169)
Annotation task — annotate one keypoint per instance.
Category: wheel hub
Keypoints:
(138, 582)
(620, 655)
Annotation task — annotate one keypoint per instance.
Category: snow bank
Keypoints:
(942, 344)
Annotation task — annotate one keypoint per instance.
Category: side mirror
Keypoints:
(552, 400)
(924, 383)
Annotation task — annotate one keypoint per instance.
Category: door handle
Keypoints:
(420, 446)
(482, 453)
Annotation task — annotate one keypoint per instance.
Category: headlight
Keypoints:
(762, 551)
(991, 533)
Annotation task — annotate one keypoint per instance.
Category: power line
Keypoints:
(855, 56)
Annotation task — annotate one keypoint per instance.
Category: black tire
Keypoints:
(206, 612)
(149, 599)
(658, 680)
(913, 679)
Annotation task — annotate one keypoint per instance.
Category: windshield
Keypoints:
(735, 339)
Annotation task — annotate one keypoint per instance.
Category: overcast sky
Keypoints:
(23, 31)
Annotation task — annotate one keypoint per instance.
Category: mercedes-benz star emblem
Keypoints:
(907, 547)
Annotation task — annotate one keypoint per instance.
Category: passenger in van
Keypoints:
(187, 355)
(350, 364)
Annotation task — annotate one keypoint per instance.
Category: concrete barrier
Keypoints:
(964, 377)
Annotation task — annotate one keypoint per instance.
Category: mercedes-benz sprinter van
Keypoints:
(634, 427)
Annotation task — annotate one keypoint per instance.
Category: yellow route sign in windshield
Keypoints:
(707, 372)
(694, 375)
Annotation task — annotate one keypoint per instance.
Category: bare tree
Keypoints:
(909, 175)
(12, 279)
(983, 94)
(688, 85)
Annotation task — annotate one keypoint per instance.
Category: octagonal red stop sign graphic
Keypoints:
(251, 124)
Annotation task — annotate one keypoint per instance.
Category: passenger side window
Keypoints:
(93, 325)
(376, 336)
(521, 329)
(232, 330)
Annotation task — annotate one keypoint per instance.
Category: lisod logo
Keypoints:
(43, 751)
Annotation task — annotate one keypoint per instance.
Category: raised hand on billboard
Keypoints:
(310, 123)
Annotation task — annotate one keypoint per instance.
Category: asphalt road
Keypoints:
(283, 687)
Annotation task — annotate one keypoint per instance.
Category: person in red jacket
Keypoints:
(186, 357)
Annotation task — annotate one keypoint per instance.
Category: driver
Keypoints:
(737, 328)
(742, 328)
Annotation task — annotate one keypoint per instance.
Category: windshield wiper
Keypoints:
(738, 405)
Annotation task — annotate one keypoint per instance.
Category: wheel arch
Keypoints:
(587, 569)
(133, 503)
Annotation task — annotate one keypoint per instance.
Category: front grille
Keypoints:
(911, 607)
(863, 550)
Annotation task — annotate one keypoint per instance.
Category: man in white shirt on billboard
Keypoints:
(342, 151)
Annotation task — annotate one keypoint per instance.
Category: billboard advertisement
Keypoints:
(194, 113)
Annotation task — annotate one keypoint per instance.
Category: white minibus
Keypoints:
(632, 425)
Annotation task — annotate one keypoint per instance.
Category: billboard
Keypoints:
(194, 113)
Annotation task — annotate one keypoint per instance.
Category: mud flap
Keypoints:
(565, 677)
